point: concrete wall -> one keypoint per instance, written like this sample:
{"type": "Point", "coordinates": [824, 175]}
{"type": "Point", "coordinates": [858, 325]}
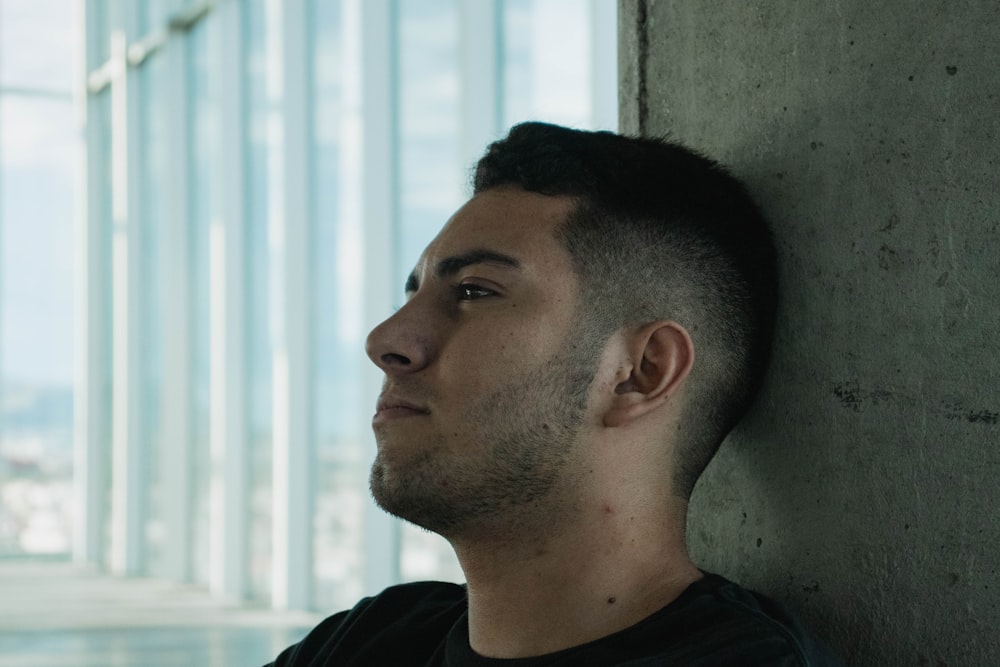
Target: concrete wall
{"type": "Point", "coordinates": [864, 491]}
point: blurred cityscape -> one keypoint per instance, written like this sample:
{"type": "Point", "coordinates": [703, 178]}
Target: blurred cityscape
{"type": "Point", "coordinates": [36, 467]}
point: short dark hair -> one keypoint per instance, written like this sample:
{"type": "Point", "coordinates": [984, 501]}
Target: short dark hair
{"type": "Point", "coordinates": [660, 232]}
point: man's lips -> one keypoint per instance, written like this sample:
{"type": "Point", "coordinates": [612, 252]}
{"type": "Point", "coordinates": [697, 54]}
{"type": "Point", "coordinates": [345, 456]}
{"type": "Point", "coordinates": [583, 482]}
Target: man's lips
{"type": "Point", "coordinates": [391, 407]}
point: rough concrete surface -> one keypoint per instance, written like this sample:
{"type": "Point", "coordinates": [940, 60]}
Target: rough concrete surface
{"type": "Point", "coordinates": [863, 489]}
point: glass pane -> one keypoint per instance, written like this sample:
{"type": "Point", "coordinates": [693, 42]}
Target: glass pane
{"type": "Point", "coordinates": [341, 465]}
{"type": "Point", "coordinates": [431, 180]}
{"type": "Point", "coordinates": [39, 42]}
{"type": "Point", "coordinates": [431, 184]}
{"type": "Point", "coordinates": [105, 22]}
{"type": "Point", "coordinates": [153, 175]}
{"type": "Point", "coordinates": [546, 80]}
{"type": "Point", "coordinates": [103, 123]}
{"type": "Point", "coordinates": [204, 108]}
{"type": "Point", "coordinates": [259, 303]}
{"type": "Point", "coordinates": [153, 15]}
{"type": "Point", "coordinates": [38, 158]}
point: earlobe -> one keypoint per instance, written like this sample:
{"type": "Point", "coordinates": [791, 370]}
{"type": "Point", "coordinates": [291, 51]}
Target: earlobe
{"type": "Point", "coordinates": [664, 355]}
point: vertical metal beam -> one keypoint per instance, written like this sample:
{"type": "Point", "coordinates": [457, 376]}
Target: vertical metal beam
{"type": "Point", "coordinates": [290, 239]}
{"type": "Point", "coordinates": [177, 341]}
{"type": "Point", "coordinates": [90, 424]}
{"type": "Point", "coordinates": [229, 507]}
{"type": "Point", "coordinates": [481, 81]}
{"type": "Point", "coordinates": [127, 504]}
{"type": "Point", "coordinates": [369, 187]}
{"type": "Point", "coordinates": [604, 64]}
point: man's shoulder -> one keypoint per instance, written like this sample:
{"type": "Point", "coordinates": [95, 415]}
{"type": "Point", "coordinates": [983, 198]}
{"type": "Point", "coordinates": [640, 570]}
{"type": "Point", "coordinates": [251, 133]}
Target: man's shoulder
{"type": "Point", "coordinates": [416, 602]}
{"type": "Point", "coordinates": [714, 622]}
{"type": "Point", "coordinates": [718, 622]}
{"type": "Point", "coordinates": [413, 618]}
{"type": "Point", "coordinates": [432, 594]}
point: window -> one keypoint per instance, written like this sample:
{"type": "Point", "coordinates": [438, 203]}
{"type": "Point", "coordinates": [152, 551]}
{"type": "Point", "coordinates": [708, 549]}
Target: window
{"type": "Point", "coordinates": [39, 159]}
{"type": "Point", "coordinates": [262, 176]}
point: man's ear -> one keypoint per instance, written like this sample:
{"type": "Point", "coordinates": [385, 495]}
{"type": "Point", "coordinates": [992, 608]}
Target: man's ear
{"type": "Point", "coordinates": [661, 355]}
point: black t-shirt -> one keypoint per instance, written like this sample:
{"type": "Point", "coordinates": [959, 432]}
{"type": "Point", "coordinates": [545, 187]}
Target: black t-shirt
{"type": "Point", "coordinates": [713, 622]}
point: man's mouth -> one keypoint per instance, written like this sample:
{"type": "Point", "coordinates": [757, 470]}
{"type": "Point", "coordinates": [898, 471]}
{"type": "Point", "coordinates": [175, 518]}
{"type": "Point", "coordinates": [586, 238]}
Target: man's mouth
{"type": "Point", "coordinates": [391, 407]}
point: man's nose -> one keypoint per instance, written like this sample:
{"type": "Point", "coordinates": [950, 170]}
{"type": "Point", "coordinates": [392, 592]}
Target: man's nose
{"type": "Point", "coordinates": [399, 344]}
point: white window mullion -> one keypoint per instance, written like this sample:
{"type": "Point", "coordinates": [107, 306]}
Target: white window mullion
{"type": "Point", "coordinates": [290, 240]}
{"type": "Point", "coordinates": [369, 171]}
{"type": "Point", "coordinates": [228, 433]}
{"type": "Point", "coordinates": [127, 492]}
{"type": "Point", "coordinates": [90, 424]}
{"type": "Point", "coordinates": [177, 339]}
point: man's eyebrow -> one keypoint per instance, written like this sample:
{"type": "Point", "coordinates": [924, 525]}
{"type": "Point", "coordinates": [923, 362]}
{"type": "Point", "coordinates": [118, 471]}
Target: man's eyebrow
{"type": "Point", "coordinates": [449, 266]}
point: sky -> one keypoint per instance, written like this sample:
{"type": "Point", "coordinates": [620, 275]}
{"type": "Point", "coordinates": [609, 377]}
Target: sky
{"type": "Point", "coordinates": [39, 156]}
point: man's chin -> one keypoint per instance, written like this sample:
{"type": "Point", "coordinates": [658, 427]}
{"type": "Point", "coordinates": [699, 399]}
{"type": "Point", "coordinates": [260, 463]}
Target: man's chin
{"type": "Point", "coordinates": [397, 495]}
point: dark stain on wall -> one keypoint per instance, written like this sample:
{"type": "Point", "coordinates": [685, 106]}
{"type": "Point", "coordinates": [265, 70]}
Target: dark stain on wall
{"type": "Point", "coordinates": [852, 396]}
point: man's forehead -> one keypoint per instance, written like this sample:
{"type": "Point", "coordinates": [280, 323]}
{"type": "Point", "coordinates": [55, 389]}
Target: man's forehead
{"type": "Point", "coordinates": [507, 228]}
{"type": "Point", "coordinates": [507, 220]}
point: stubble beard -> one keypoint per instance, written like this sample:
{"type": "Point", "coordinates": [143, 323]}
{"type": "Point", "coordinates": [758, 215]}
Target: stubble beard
{"type": "Point", "coordinates": [521, 441]}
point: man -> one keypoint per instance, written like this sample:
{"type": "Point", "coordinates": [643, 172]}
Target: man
{"type": "Point", "coordinates": [575, 344]}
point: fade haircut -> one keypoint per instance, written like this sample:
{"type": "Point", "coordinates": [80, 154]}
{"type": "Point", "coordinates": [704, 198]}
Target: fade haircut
{"type": "Point", "coordinates": [659, 233]}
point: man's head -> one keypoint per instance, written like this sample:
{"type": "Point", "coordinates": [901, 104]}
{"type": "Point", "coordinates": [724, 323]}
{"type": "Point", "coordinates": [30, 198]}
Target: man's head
{"type": "Point", "coordinates": [582, 279]}
{"type": "Point", "coordinates": [659, 233]}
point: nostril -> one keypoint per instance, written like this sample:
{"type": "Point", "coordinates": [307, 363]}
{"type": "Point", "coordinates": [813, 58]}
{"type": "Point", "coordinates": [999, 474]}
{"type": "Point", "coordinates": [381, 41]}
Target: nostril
{"type": "Point", "coordinates": [394, 359]}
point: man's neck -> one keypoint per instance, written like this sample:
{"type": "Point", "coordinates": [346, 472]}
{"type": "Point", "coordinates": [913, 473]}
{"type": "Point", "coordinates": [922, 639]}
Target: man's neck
{"type": "Point", "coordinates": [575, 585]}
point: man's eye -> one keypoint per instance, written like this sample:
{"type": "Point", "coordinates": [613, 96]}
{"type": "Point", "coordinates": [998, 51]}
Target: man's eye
{"type": "Point", "coordinates": [469, 292]}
